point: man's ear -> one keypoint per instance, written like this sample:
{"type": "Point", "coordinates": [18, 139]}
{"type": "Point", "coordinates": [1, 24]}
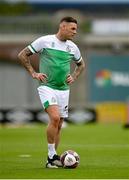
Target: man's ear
{"type": "Point", "coordinates": [63, 25]}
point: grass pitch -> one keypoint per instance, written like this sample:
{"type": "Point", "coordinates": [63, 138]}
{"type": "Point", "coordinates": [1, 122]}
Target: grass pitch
{"type": "Point", "coordinates": [103, 150]}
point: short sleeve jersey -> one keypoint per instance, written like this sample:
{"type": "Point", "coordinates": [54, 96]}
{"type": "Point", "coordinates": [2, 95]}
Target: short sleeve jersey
{"type": "Point", "coordinates": [55, 58]}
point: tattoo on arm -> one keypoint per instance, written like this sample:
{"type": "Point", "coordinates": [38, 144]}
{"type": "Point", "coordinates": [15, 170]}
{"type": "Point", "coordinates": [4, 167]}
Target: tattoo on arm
{"type": "Point", "coordinates": [24, 57]}
{"type": "Point", "coordinates": [79, 68]}
{"type": "Point", "coordinates": [28, 52]}
{"type": "Point", "coordinates": [79, 64]}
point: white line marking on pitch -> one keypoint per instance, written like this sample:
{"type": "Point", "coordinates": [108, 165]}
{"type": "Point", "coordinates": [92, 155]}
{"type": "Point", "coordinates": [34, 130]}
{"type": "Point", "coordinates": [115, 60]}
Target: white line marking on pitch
{"type": "Point", "coordinates": [99, 145]}
{"type": "Point", "coordinates": [25, 155]}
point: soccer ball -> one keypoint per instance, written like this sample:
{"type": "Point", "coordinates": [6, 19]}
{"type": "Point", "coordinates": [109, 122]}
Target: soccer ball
{"type": "Point", "coordinates": [70, 159]}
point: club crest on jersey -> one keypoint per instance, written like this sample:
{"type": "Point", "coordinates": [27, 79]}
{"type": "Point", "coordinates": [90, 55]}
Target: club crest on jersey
{"type": "Point", "coordinates": [53, 44]}
{"type": "Point", "coordinates": [68, 49]}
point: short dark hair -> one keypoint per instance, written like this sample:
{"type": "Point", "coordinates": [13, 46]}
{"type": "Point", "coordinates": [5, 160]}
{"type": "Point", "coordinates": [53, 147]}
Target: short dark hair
{"type": "Point", "coordinates": [68, 19]}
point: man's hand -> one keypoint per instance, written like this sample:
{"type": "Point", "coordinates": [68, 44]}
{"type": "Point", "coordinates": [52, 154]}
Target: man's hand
{"type": "Point", "coordinates": [78, 70]}
{"type": "Point", "coordinates": [69, 79]}
{"type": "Point", "coordinates": [40, 76]}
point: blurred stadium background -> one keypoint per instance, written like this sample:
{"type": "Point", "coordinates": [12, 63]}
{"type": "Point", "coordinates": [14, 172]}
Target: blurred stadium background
{"type": "Point", "coordinates": [101, 93]}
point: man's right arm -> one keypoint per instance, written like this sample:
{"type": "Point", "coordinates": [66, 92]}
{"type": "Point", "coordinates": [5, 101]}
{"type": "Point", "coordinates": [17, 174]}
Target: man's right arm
{"type": "Point", "coordinates": [24, 57]}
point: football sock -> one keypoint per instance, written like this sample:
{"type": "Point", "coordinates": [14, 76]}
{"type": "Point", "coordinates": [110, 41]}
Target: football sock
{"type": "Point", "coordinates": [51, 150]}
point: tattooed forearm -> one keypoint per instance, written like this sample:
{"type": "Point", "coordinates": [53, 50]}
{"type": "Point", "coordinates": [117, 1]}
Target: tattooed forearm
{"type": "Point", "coordinates": [24, 57]}
{"type": "Point", "coordinates": [78, 70]}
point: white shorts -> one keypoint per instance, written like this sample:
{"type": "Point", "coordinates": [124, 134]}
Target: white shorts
{"type": "Point", "coordinates": [49, 96]}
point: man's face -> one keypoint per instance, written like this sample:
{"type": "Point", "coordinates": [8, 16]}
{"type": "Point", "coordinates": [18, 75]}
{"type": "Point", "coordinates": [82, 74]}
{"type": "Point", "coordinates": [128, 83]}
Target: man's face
{"type": "Point", "coordinates": [69, 30]}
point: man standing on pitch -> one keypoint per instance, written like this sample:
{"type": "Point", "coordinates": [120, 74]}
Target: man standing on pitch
{"type": "Point", "coordinates": [56, 52]}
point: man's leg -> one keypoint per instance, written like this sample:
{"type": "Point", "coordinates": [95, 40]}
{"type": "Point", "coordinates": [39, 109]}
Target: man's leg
{"type": "Point", "coordinates": [52, 131]}
{"type": "Point", "coordinates": [52, 128]}
{"type": "Point", "coordinates": [57, 139]}
{"type": "Point", "coordinates": [63, 99]}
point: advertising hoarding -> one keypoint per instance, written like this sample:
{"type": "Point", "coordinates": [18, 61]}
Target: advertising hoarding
{"type": "Point", "coordinates": [108, 77]}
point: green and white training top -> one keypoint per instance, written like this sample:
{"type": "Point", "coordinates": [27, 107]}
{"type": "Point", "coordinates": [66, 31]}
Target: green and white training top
{"type": "Point", "coordinates": [55, 58]}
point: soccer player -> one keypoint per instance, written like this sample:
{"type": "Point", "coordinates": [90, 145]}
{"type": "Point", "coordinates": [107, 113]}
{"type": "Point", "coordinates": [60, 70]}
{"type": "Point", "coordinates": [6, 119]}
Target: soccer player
{"type": "Point", "coordinates": [56, 52]}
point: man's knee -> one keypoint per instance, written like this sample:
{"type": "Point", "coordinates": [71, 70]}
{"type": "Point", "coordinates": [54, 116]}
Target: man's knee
{"type": "Point", "coordinates": [55, 120]}
{"type": "Point", "coordinates": [60, 124]}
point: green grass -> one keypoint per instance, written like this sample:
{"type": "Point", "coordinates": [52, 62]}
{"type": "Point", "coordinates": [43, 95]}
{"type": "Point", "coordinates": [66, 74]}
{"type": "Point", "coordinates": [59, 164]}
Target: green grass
{"type": "Point", "coordinates": [103, 150]}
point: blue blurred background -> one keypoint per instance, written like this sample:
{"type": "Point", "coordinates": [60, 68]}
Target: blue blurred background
{"type": "Point", "coordinates": [102, 92]}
